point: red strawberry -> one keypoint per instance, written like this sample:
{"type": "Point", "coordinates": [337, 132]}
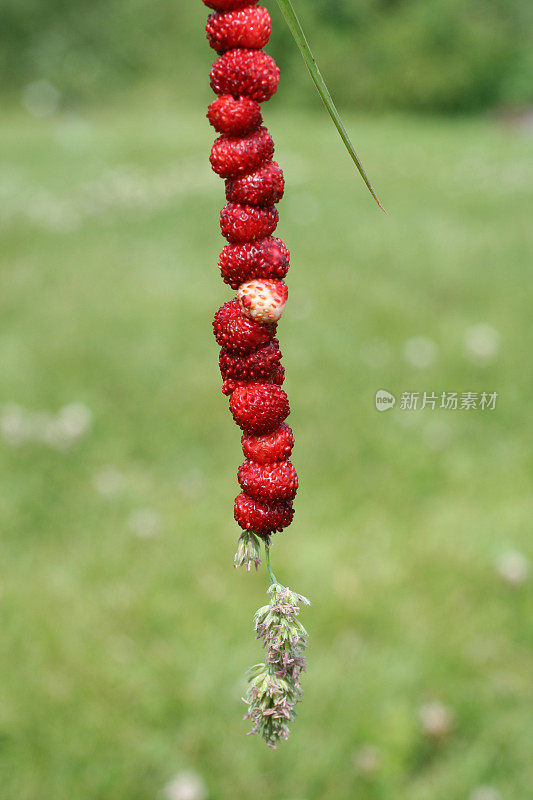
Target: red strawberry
{"type": "Point", "coordinates": [244, 27]}
{"type": "Point", "coordinates": [269, 483]}
{"type": "Point", "coordinates": [263, 300]}
{"type": "Point", "coordinates": [239, 263]}
{"type": "Point", "coordinates": [249, 72]}
{"type": "Point", "coordinates": [234, 117]}
{"type": "Point", "coordinates": [259, 407]}
{"type": "Point", "coordinates": [263, 187]}
{"type": "Point", "coordinates": [237, 333]}
{"type": "Point", "coordinates": [275, 446]}
{"type": "Point", "coordinates": [259, 364]}
{"type": "Point", "coordinates": [228, 5]}
{"type": "Point", "coordinates": [261, 518]}
{"type": "Point", "coordinates": [232, 156]}
{"type": "Point", "coordinates": [230, 384]}
{"type": "Point", "coordinates": [240, 223]}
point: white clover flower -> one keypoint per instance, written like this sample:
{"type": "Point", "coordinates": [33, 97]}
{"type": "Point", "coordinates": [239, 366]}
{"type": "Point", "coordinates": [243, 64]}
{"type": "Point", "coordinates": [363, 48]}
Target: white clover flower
{"type": "Point", "coordinates": [485, 793]}
{"type": "Point", "coordinates": [75, 419]}
{"type": "Point", "coordinates": [144, 523]}
{"type": "Point", "coordinates": [15, 425]}
{"type": "Point", "coordinates": [482, 343]}
{"type": "Point", "coordinates": [367, 760]}
{"type": "Point", "coordinates": [186, 786]}
{"type": "Point", "coordinates": [420, 352]}
{"type": "Point", "coordinates": [514, 568]}
{"type": "Point", "coordinates": [436, 720]}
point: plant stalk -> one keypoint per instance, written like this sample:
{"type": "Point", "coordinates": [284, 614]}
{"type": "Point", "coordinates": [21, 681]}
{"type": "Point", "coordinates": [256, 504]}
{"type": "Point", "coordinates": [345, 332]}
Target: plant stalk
{"type": "Point", "coordinates": [269, 568]}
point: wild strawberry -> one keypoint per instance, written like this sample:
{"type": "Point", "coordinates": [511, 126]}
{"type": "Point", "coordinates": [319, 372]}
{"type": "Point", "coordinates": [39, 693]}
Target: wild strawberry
{"type": "Point", "coordinates": [240, 223]}
{"type": "Point", "coordinates": [244, 27]}
{"type": "Point", "coordinates": [259, 407]}
{"type": "Point", "coordinates": [245, 72]}
{"type": "Point", "coordinates": [269, 483]}
{"type": "Point", "coordinates": [261, 518]}
{"type": "Point", "coordinates": [228, 5]}
{"type": "Point", "coordinates": [266, 449]}
{"type": "Point", "coordinates": [268, 258]}
{"type": "Point", "coordinates": [263, 300]}
{"type": "Point", "coordinates": [262, 187]}
{"type": "Point", "coordinates": [234, 117]}
{"type": "Point", "coordinates": [237, 333]}
{"type": "Point", "coordinates": [256, 366]}
{"type": "Point", "coordinates": [230, 384]}
{"type": "Point", "coordinates": [232, 156]}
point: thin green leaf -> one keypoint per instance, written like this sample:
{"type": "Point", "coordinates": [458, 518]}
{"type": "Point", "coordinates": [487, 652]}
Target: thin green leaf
{"type": "Point", "coordinates": [299, 37]}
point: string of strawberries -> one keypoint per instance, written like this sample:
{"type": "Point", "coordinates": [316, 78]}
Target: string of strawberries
{"type": "Point", "coordinates": [254, 262]}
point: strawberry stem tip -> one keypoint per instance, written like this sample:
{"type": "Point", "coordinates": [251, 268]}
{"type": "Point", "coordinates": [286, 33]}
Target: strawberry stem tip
{"type": "Point", "coordinates": [296, 29]}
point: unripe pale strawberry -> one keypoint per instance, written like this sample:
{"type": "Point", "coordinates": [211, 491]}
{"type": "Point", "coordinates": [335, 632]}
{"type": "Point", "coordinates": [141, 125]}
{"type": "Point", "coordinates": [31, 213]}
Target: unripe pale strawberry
{"type": "Point", "coordinates": [245, 72]}
{"type": "Point", "coordinates": [259, 407]}
{"type": "Point", "coordinates": [232, 156]}
{"type": "Point", "coordinates": [228, 5]}
{"type": "Point", "coordinates": [262, 187]}
{"type": "Point", "coordinates": [268, 258]}
{"type": "Point", "coordinates": [263, 300]}
{"type": "Point", "coordinates": [263, 519]}
{"type": "Point", "coordinates": [240, 223]}
{"type": "Point", "coordinates": [270, 447]}
{"type": "Point", "coordinates": [237, 333]}
{"type": "Point", "coordinates": [269, 483]}
{"type": "Point", "coordinates": [234, 117]}
{"type": "Point", "coordinates": [245, 27]}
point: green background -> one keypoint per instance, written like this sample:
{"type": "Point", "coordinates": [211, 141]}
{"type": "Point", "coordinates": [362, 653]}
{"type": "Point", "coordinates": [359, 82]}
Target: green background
{"type": "Point", "coordinates": [433, 55]}
{"type": "Point", "coordinates": [126, 632]}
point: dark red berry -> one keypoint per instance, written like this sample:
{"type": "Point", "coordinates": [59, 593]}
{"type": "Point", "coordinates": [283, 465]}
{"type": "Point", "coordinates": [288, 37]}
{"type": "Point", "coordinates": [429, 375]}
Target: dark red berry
{"type": "Point", "coordinates": [237, 333]}
{"type": "Point", "coordinates": [259, 407]}
{"type": "Point", "coordinates": [244, 27]}
{"type": "Point", "coordinates": [261, 518]}
{"type": "Point", "coordinates": [275, 446]}
{"type": "Point", "coordinates": [260, 364]}
{"type": "Point", "coordinates": [232, 156]}
{"type": "Point", "coordinates": [234, 117]}
{"type": "Point", "coordinates": [269, 483]}
{"type": "Point", "coordinates": [267, 259]}
{"type": "Point", "coordinates": [262, 187]}
{"type": "Point", "coordinates": [240, 223]}
{"type": "Point", "coordinates": [245, 72]}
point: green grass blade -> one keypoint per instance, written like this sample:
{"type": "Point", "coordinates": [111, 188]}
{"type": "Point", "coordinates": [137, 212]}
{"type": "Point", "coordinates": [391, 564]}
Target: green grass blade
{"type": "Point", "coordinates": [299, 37]}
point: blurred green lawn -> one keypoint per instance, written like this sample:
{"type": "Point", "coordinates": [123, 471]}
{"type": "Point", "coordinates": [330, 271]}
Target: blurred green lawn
{"type": "Point", "coordinates": [125, 631]}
